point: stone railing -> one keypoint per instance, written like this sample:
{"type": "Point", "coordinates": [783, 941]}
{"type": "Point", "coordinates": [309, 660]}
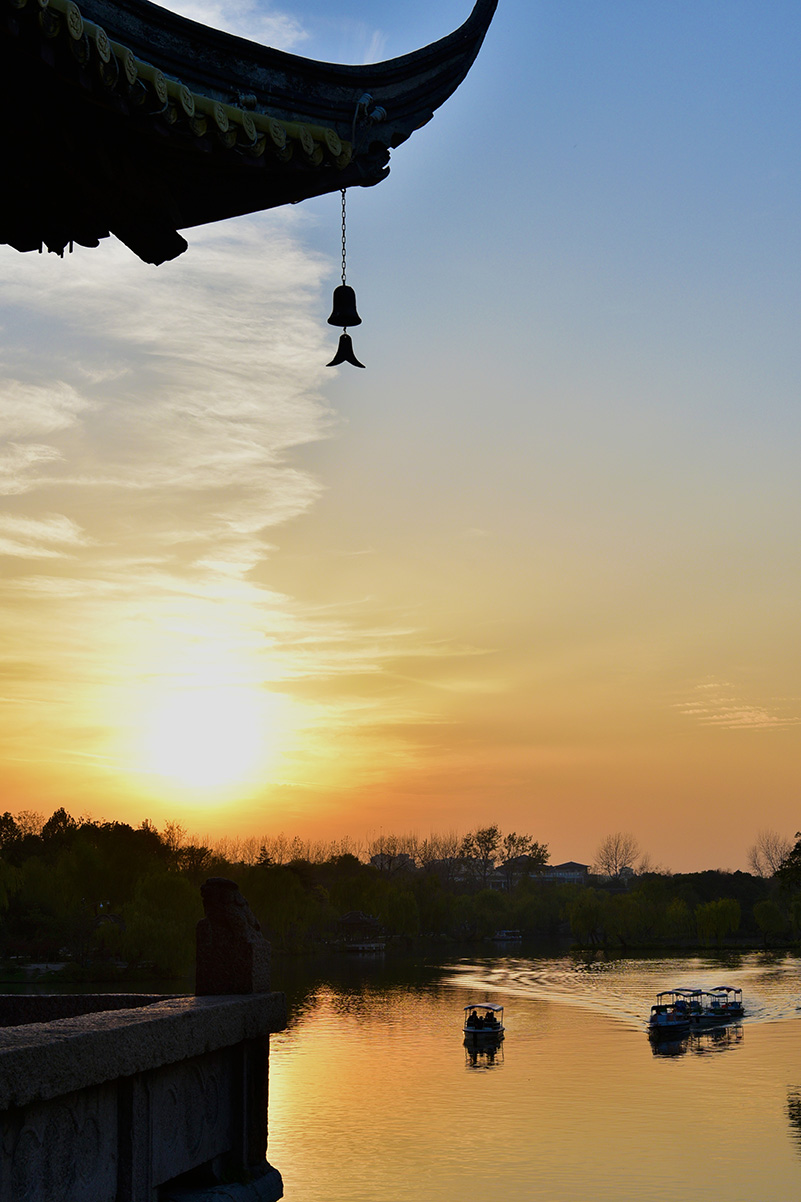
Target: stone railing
{"type": "Point", "coordinates": [134, 1098]}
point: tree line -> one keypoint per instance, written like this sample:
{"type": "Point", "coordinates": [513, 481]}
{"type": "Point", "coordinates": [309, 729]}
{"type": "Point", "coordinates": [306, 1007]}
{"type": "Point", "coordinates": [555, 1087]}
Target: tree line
{"type": "Point", "coordinates": [111, 899]}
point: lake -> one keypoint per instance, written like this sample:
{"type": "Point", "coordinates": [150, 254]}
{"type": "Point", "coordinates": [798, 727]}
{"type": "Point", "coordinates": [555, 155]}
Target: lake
{"type": "Point", "coordinates": [374, 1098]}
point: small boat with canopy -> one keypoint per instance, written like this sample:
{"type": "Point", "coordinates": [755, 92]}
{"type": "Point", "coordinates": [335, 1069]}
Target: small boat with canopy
{"type": "Point", "coordinates": [725, 1003]}
{"type": "Point", "coordinates": [677, 1010]}
{"type": "Point", "coordinates": [483, 1022]}
{"type": "Point", "coordinates": [670, 1016]}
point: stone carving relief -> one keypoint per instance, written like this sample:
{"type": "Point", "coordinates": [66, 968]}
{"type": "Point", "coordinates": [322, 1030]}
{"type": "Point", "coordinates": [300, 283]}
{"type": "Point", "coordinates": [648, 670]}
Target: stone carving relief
{"type": "Point", "coordinates": [190, 1107]}
{"type": "Point", "coordinates": [62, 1149]}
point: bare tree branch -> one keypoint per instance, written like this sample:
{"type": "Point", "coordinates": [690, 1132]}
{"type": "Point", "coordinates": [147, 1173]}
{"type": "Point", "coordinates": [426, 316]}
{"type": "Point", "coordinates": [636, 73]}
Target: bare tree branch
{"type": "Point", "coordinates": [768, 853]}
{"type": "Point", "coordinates": [615, 853]}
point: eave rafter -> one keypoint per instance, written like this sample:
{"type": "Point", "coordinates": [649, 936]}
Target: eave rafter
{"type": "Point", "coordinates": [134, 121]}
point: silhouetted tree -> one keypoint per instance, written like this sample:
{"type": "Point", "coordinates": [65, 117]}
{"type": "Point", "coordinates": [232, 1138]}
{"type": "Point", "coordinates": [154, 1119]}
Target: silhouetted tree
{"type": "Point", "coordinates": [9, 831]}
{"type": "Point", "coordinates": [522, 855]}
{"type": "Point", "coordinates": [440, 854]}
{"type": "Point", "coordinates": [717, 919]}
{"type": "Point", "coordinates": [770, 919]}
{"type": "Point", "coordinates": [480, 850]}
{"type": "Point", "coordinates": [789, 871]}
{"type": "Point", "coordinates": [159, 931]}
{"type": "Point", "coordinates": [59, 826]}
{"type": "Point", "coordinates": [29, 822]}
{"type": "Point", "coordinates": [616, 853]}
{"type": "Point", "coordinates": [585, 912]}
{"type": "Point", "coordinates": [197, 862]}
{"type": "Point", "coordinates": [679, 921]}
{"type": "Point", "coordinates": [768, 853]}
{"type": "Point", "coordinates": [392, 853]}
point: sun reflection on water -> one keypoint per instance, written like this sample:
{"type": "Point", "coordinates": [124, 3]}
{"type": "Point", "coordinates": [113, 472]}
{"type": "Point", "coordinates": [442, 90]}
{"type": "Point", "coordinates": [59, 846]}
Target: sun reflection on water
{"type": "Point", "coordinates": [373, 1093]}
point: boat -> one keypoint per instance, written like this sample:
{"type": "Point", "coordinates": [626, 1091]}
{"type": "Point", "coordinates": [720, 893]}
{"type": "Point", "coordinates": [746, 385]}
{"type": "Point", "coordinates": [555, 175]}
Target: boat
{"type": "Point", "coordinates": [709, 1007]}
{"type": "Point", "coordinates": [506, 936]}
{"type": "Point", "coordinates": [725, 1003]}
{"type": "Point", "coordinates": [690, 1002]}
{"type": "Point", "coordinates": [678, 1010]}
{"type": "Point", "coordinates": [483, 1022]}
{"type": "Point", "coordinates": [670, 1015]}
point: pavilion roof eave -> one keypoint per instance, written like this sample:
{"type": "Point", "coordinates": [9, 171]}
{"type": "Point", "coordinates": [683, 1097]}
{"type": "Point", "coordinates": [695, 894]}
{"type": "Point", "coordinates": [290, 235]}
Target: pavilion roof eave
{"type": "Point", "coordinates": [287, 86]}
{"type": "Point", "coordinates": [151, 123]}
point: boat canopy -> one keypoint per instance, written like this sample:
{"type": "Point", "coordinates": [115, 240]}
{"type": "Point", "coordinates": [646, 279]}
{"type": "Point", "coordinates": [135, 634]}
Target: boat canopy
{"type": "Point", "coordinates": [484, 1006]}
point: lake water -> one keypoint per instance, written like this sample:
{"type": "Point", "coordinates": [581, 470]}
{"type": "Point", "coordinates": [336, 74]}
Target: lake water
{"type": "Point", "coordinates": [374, 1098]}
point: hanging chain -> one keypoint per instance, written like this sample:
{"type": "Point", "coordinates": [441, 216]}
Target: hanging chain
{"type": "Point", "coordinates": [343, 235]}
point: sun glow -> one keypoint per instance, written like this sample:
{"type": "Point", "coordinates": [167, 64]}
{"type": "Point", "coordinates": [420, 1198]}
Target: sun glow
{"type": "Point", "coordinates": [210, 738]}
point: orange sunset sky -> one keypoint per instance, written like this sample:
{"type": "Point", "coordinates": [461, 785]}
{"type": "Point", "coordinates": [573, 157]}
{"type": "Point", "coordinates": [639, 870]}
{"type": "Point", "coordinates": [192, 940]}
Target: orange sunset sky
{"type": "Point", "coordinates": [537, 565]}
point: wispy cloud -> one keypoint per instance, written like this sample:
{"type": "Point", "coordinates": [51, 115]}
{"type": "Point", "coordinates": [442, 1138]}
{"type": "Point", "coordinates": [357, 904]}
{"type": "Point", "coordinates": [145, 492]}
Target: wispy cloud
{"type": "Point", "coordinates": [717, 703]}
{"type": "Point", "coordinates": [251, 19]}
{"type": "Point", "coordinates": [39, 538]}
{"type": "Point", "coordinates": [150, 420]}
{"type": "Point", "coordinates": [217, 369]}
{"type": "Point", "coordinates": [376, 46]}
{"type": "Point", "coordinates": [338, 38]}
{"type": "Point", "coordinates": [22, 467]}
{"type": "Point", "coordinates": [38, 408]}
{"type": "Point", "coordinates": [154, 421]}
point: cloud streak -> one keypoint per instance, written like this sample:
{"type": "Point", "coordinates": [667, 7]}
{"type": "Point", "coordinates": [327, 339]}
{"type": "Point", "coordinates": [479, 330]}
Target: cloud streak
{"type": "Point", "coordinates": [154, 422]}
{"type": "Point", "coordinates": [245, 18]}
{"type": "Point", "coordinates": [716, 703]}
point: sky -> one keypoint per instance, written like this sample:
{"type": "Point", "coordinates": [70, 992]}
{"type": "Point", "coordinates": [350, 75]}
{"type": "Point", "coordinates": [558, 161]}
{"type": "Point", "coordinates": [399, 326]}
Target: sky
{"type": "Point", "coordinates": [537, 565]}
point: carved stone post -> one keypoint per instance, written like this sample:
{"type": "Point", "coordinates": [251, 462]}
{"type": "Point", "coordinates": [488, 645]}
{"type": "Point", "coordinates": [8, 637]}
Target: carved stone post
{"type": "Point", "coordinates": [232, 954]}
{"type": "Point", "coordinates": [234, 957]}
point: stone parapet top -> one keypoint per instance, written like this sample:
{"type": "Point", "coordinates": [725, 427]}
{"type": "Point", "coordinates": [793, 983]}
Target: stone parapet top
{"type": "Point", "coordinates": [44, 1060]}
{"type": "Point", "coordinates": [17, 1009]}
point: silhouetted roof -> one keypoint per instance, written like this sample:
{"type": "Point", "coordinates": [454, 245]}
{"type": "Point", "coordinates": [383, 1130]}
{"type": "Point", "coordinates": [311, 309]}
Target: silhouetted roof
{"type": "Point", "coordinates": [124, 118]}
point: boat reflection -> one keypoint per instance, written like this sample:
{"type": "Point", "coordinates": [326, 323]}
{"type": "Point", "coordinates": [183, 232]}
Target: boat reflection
{"type": "Point", "coordinates": [483, 1055]}
{"type": "Point", "coordinates": [700, 1043]}
{"type": "Point", "coordinates": [794, 1115]}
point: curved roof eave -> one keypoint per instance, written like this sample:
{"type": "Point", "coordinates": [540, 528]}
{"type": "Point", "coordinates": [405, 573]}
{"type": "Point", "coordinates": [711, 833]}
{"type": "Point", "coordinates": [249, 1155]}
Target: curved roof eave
{"type": "Point", "coordinates": [287, 86]}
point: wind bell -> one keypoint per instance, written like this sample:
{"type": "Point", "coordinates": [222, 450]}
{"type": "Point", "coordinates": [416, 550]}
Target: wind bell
{"type": "Point", "coordinates": [344, 311]}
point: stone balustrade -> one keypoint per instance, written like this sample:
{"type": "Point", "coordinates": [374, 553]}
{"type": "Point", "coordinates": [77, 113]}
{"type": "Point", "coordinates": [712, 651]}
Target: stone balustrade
{"type": "Point", "coordinates": [144, 1098]}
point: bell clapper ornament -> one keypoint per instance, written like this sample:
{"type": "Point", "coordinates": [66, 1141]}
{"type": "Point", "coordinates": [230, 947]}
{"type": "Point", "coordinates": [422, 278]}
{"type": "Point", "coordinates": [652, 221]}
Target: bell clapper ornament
{"type": "Point", "coordinates": [344, 312]}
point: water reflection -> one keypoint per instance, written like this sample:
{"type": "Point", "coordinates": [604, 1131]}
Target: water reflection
{"type": "Point", "coordinates": [367, 1085]}
{"type": "Point", "coordinates": [624, 988]}
{"type": "Point", "coordinates": [488, 1056]}
{"type": "Point", "coordinates": [700, 1043]}
{"type": "Point", "coordinates": [794, 1115]}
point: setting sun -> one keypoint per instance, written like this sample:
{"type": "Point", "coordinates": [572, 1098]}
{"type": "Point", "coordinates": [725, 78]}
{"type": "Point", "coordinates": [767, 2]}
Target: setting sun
{"type": "Point", "coordinates": [211, 738]}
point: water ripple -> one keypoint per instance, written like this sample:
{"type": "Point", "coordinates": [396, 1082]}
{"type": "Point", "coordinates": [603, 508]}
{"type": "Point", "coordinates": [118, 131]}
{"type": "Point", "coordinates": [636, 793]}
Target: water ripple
{"type": "Point", "coordinates": [625, 988]}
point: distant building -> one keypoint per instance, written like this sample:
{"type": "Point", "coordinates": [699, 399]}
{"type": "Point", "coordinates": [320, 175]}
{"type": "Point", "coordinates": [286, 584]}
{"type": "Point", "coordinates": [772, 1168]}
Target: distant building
{"type": "Point", "coordinates": [616, 880]}
{"type": "Point", "coordinates": [507, 875]}
{"type": "Point", "coordinates": [360, 932]}
{"type": "Point", "coordinates": [452, 870]}
{"type": "Point", "coordinates": [519, 865]}
{"type": "Point", "coordinates": [569, 873]}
